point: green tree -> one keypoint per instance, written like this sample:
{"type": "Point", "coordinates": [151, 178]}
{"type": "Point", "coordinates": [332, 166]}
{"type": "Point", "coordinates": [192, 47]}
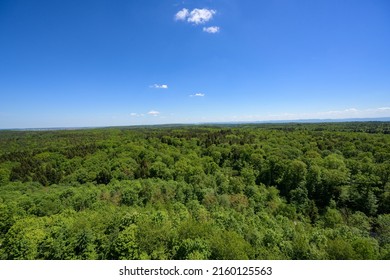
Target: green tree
{"type": "Point", "coordinates": [125, 246]}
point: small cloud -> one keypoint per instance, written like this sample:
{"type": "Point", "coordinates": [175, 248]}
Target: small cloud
{"type": "Point", "coordinates": [153, 113]}
{"type": "Point", "coordinates": [197, 95]}
{"type": "Point", "coordinates": [341, 112]}
{"type": "Point", "coordinates": [211, 29]}
{"type": "Point", "coordinates": [200, 16]}
{"type": "Point", "coordinates": [182, 14]}
{"type": "Point", "coordinates": [196, 16]}
{"type": "Point", "coordinates": [384, 109]}
{"type": "Point", "coordinates": [159, 86]}
{"type": "Point", "coordinates": [136, 115]}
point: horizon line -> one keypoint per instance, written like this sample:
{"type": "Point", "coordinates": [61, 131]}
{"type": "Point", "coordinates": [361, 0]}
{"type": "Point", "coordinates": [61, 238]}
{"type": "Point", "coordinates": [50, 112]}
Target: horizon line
{"type": "Point", "coordinates": [307, 121]}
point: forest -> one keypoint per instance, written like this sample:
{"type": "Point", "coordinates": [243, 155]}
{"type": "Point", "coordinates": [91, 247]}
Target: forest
{"type": "Point", "coordinates": [295, 191]}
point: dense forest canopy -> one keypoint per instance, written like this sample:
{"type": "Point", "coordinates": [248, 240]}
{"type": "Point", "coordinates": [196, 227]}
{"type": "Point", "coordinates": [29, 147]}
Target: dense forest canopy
{"type": "Point", "coordinates": [269, 191]}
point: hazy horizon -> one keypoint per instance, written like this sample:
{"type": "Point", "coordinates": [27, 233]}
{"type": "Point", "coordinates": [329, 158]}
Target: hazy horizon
{"type": "Point", "coordinates": [281, 122]}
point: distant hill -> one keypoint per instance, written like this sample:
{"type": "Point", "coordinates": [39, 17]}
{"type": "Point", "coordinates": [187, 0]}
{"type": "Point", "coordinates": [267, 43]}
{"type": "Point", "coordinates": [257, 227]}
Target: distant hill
{"type": "Point", "coordinates": [386, 119]}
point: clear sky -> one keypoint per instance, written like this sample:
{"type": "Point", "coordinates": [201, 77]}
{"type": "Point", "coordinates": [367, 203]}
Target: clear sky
{"type": "Point", "coordinates": [125, 62]}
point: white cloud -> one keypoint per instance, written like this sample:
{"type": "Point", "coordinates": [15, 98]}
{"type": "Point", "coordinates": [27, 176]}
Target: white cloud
{"type": "Point", "coordinates": [200, 16]}
{"type": "Point", "coordinates": [199, 94]}
{"type": "Point", "coordinates": [211, 29]}
{"type": "Point", "coordinates": [340, 113]}
{"type": "Point", "coordinates": [153, 113]}
{"type": "Point", "coordinates": [136, 115]}
{"type": "Point", "coordinates": [196, 16]}
{"type": "Point", "coordinates": [182, 14]}
{"type": "Point", "coordinates": [337, 114]}
{"type": "Point", "coordinates": [384, 109]}
{"type": "Point", "coordinates": [348, 113]}
{"type": "Point", "coordinates": [159, 86]}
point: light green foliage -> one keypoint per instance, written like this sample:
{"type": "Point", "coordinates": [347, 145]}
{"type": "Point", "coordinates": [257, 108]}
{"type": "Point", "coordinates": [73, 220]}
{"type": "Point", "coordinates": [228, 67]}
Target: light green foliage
{"type": "Point", "coordinates": [125, 246]}
{"type": "Point", "coordinates": [4, 176]}
{"type": "Point", "coordinates": [22, 240]}
{"type": "Point", "coordinates": [193, 249]}
{"type": "Point", "coordinates": [360, 221]}
{"type": "Point", "coordinates": [332, 218]}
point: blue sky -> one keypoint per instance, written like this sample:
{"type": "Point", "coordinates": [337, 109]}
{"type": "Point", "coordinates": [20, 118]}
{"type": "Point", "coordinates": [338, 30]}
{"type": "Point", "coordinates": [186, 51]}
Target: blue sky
{"type": "Point", "coordinates": [124, 62]}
